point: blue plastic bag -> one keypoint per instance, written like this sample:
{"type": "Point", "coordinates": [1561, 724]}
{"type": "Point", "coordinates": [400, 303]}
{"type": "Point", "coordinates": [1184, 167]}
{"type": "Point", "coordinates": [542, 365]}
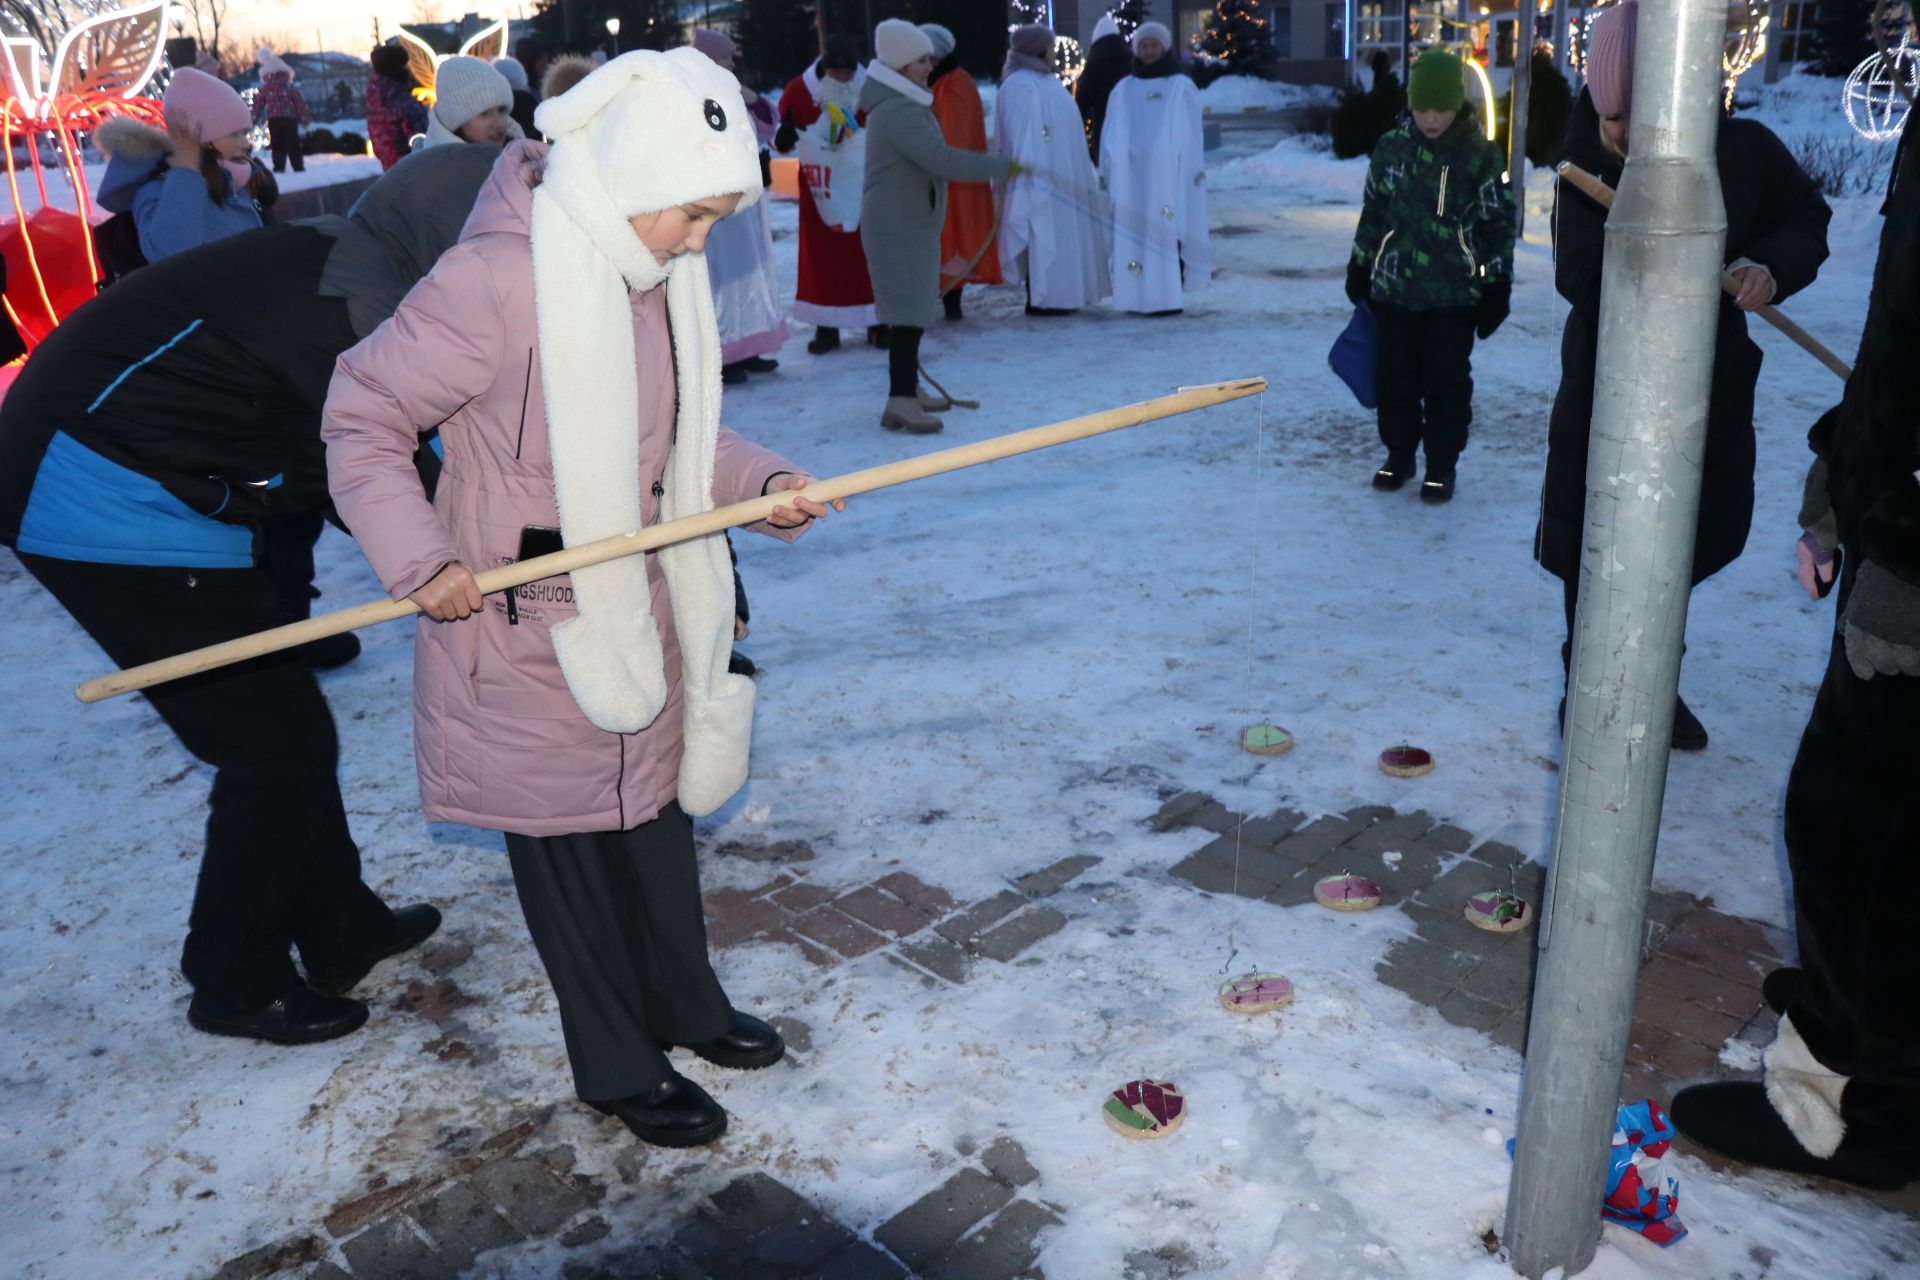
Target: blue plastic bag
{"type": "Point", "coordinates": [1354, 353]}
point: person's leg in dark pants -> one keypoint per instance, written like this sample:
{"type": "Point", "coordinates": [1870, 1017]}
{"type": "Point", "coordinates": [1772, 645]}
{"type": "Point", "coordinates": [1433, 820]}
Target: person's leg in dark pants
{"type": "Point", "coordinates": [1446, 388]}
{"type": "Point", "coordinates": [903, 362]}
{"type": "Point", "coordinates": [286, 557]}
{"type": "Point", "coordinates": [1397, 383]}
{"type": "Point", "coordinates": [1842, 1089]}
{"type": "Point", "coordinates": [280, 864]}
{"type": "Point", "coordinates": [616, 918]}
{"type": "Point", "coordinates": [283, 136]}
{"type": "Point", "coordinates": [951, 301]}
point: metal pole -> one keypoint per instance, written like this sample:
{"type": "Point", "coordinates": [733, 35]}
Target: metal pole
{"type": "Point", "coordinates": [1517, 112]}
{"type": "Point", "coordinates": [1561, 46]}
{"type": "Point", "coordinates": [1659, 298]}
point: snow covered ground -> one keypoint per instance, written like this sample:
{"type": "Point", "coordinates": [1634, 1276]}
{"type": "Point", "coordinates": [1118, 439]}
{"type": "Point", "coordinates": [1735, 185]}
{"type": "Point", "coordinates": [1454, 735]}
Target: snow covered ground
{"type": "Point", "coordinates": [1031, 648]}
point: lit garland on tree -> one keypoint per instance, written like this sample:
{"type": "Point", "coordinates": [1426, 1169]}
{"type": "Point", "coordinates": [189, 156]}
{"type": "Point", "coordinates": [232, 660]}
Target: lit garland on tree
{"type": "Point", "coordinates": [1238, 38]}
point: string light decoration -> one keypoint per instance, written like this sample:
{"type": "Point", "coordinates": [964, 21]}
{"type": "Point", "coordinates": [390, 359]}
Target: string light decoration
{"type": "Point", "coordinates": [1238, 38]}
{"type": "Point", "coordinates": [1880, 91]}
{"type": "Point", "coordinates": [1069, 60]}
{"type": "Point", "coordinates": [69, 66]}
{"type": "Point", "coordinates": [1128, 15]}
{"type": "Point", "coordinates": [1746, 47]}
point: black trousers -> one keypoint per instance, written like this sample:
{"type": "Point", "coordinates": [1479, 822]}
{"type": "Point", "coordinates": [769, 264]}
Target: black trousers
{"type": "Point", "coordinates": [1852, 828]}
{"type": "Point", "coordinates": [1424, 380]}
{"type": "Point", "coordinates": [280, 866]}
{"type": "Point", "coordinates": [616, 918]}
{"type": "Point", "coordinates": [283, 137]}
{"type": "Point", "coordinates": [286, 557]}
{"type": "Point", "coordinates": [903, 361]}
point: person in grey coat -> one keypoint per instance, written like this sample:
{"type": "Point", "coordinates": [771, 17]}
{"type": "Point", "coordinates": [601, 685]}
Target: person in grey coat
{"type": "Point", "coordinates": [904, 204]}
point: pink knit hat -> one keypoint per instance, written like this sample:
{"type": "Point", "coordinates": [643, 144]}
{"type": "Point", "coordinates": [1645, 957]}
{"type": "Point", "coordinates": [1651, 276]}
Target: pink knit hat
{"type": "Point", "coordinates": [1035, 40]}
{"type": "Point", "coordinates": [1610, 58]}
{"type": "Point", "coordinates": [204, 108]}
{"type": "Point", "coordinates": [717, 45]}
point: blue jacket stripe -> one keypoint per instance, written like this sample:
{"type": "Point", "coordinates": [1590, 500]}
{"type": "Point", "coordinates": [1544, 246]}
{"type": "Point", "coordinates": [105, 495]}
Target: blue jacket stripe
{"type": "Point", "coordinates": [129, 371]}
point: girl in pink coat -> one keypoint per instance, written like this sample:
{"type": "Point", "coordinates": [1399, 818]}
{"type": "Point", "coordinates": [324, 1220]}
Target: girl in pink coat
{"type": "Point", "coordinates": [566, 348]}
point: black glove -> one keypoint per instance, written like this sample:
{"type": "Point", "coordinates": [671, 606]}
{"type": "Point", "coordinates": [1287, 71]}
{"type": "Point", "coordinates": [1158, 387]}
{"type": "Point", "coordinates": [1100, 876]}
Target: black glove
{"type": "Point", "coordinates": [1492, 309]}
{"type": "Point", "coordinates": [787, 136]}
{"type": "Point", "coordinates": [1359, 282]}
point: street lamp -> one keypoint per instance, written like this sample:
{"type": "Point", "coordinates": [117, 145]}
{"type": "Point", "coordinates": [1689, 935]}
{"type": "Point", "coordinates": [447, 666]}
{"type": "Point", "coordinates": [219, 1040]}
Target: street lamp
{"type": "Point", "coordinates": [613, 33]}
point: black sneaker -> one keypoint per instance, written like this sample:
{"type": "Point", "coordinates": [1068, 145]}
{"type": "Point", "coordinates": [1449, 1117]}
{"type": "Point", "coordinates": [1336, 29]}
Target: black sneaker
{"type": "Point", "coordinates": [1393, 473]}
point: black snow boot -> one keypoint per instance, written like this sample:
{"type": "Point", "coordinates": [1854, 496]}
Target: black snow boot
{"type": "Point", "coordinates": [1688, 733]}
{"type": "Point", "coordinates": [759, 364]}
{"type": "Point", "coordinates": [1394, 472]}
{"type": "Point", "coordinates": [1438, 486]}
{"type": "Point", "coordinates": [1780, 987]}
{"type": "Point", "coordinates": [734, 374]}
{"type": "Point", "coordinates": [740, 664]}
{"type": "Point", "coordinates": [825, 339]}
{"type": "Point", "coordinates": [1734, 1118]}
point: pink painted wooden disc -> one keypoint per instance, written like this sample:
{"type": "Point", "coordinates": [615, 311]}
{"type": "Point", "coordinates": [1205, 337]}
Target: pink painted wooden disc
{"type": "Point", "coordinates": [1347, 893]}
{"type": "Point", "coordinates": [1255, 992]}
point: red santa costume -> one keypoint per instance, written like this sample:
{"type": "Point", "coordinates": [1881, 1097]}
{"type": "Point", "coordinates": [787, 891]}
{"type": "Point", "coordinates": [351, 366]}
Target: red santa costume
{"type": "Point", "coordinates": [834, 291]}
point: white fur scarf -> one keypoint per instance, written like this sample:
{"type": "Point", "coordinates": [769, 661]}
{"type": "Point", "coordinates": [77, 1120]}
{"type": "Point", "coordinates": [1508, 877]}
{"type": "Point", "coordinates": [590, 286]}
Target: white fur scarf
{"type": "Point", "coordinates": [585, 258]}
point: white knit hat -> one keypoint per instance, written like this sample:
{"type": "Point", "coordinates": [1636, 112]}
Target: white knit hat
{"type": "Point", "coordinates": [1104, 28]}
{"type": "Point", "coordinates": [941, 39]}
{"type": "Point", "coordinates": [270, 62]}
{"type": "Point", "coordinates": [463, 87]}
{"type": "Point", "coordinates": [1157, 30]}
{"type": "Point", "coordinates": [896, 42]}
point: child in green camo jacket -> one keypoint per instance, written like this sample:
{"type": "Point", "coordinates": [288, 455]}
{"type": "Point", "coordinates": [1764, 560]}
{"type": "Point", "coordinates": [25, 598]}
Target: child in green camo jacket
{"type": "Point", "coordinates": [1434, 257]}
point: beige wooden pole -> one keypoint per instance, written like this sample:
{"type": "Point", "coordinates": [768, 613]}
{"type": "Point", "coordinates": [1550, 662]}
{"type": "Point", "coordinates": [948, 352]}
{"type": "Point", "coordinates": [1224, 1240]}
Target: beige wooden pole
{"type": "Point", "coordinates": [1184, 400]}
{"type": "Point", "coordinates": [1602, 194]}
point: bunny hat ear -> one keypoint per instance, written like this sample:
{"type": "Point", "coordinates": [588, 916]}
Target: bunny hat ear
{"type": "Point", "coordinates": [657, 130]}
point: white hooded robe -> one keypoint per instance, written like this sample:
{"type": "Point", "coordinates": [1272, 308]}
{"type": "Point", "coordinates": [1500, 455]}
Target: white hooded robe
{"type": "Point", "coordinates": [1053, 226]}
{"type": "Point", "coordinates": [1153, 166]}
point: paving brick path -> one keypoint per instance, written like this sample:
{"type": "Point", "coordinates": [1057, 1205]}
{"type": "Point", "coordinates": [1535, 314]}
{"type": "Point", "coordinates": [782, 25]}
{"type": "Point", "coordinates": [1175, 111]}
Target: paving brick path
{"type": "Point", "coordinates": [1699, 992]}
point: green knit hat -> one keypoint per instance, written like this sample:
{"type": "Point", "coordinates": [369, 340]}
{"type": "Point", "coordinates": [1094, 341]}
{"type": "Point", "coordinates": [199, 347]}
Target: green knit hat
{"type": "Point", "coordinates": [1437, 82]}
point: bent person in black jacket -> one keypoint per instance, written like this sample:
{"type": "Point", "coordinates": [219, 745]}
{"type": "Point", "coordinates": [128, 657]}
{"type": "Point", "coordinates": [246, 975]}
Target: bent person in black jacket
{"type": "Point", "coordinates": [146, 444]}
{"type": "Point", "coordinates": [1841, 1097]}
{"type": "Point", "coordinates": [1776, 241]}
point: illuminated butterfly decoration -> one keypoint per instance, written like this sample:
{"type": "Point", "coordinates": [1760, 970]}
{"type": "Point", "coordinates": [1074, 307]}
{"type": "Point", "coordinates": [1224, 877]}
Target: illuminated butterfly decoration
{"type": "Point", "coordinates": [97, 69]}
{"type": "Point", "coordinates": [422, 62]}
{"type": "Point", "coordinates": [101, 61]}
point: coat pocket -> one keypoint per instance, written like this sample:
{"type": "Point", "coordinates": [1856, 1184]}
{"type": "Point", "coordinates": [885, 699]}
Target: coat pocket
{"type": "Point", "coordinates": [515, 671]}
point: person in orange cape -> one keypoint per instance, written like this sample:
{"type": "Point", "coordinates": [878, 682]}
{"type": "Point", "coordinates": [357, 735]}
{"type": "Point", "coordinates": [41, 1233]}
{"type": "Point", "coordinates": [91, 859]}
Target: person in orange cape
{"type": "Point", "coordinates": [968, 236]}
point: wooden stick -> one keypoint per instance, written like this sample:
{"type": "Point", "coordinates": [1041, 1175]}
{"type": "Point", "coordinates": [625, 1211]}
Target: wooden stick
{"type": "Point", "coordinates": [1184, 400]}
{"type": "Point", "coordinates": [1602, 194]}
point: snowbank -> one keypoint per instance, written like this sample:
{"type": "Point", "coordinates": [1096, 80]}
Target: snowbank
{"type": "Point", "coordinates": [321, 171]}
{"type": "Point", "coordinates": [1246, 93]}
{"type": "Point", "coordinates": [1302, 168]}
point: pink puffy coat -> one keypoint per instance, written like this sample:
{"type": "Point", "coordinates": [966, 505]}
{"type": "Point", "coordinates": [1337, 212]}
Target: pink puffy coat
{"type": "Point", "coordinates": [499, 740]}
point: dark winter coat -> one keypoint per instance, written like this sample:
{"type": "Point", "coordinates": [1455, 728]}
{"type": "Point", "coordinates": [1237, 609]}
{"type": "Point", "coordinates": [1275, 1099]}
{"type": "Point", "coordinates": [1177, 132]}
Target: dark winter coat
{"type": "Point", "coordinates": [1108, 63]}
{"type": "Point", "coordinates": [1436, 221]}
{"type": "Point", "coordinates": [1775, 217]}
{"type": "Point", "coordinates": [166, 417]}
{"type": "Point", "coordinates": [1871, 443]}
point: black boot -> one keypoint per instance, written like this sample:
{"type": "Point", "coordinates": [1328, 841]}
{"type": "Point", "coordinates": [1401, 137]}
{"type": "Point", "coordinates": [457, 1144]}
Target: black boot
{"type": "Point", "coordinates": [1394, 472]}
{"type": "Point", "coordinates": [411, 927]}
{"type": "Point", "coordinates": [1688, 733]}
{"type": "Point", "coordinates": [739, 664]}
{"type": "Point", "coordinates": [1780, 987]}
{"type": "Point", "coordinates": [734, 374]}
{"type": "Point", "coordinates": [878, 335]}
{"type": "Point", "coordinates": [674, 1113]}
{"type": "Point", "coordinates": [825, 338]}
{"type": "Point", "coordinates": [759, 364]}
{"type": "Point", "coordinates": [1734, 1118]}
{"type": "Point", "coordinates": [951, 300]}
{"type": "Point", "coordinates": [748, 1045]}
{"type": "Point", "coordinates": [1438, 486]}
{"type": "Point", "coordinates": [295, 1016]}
